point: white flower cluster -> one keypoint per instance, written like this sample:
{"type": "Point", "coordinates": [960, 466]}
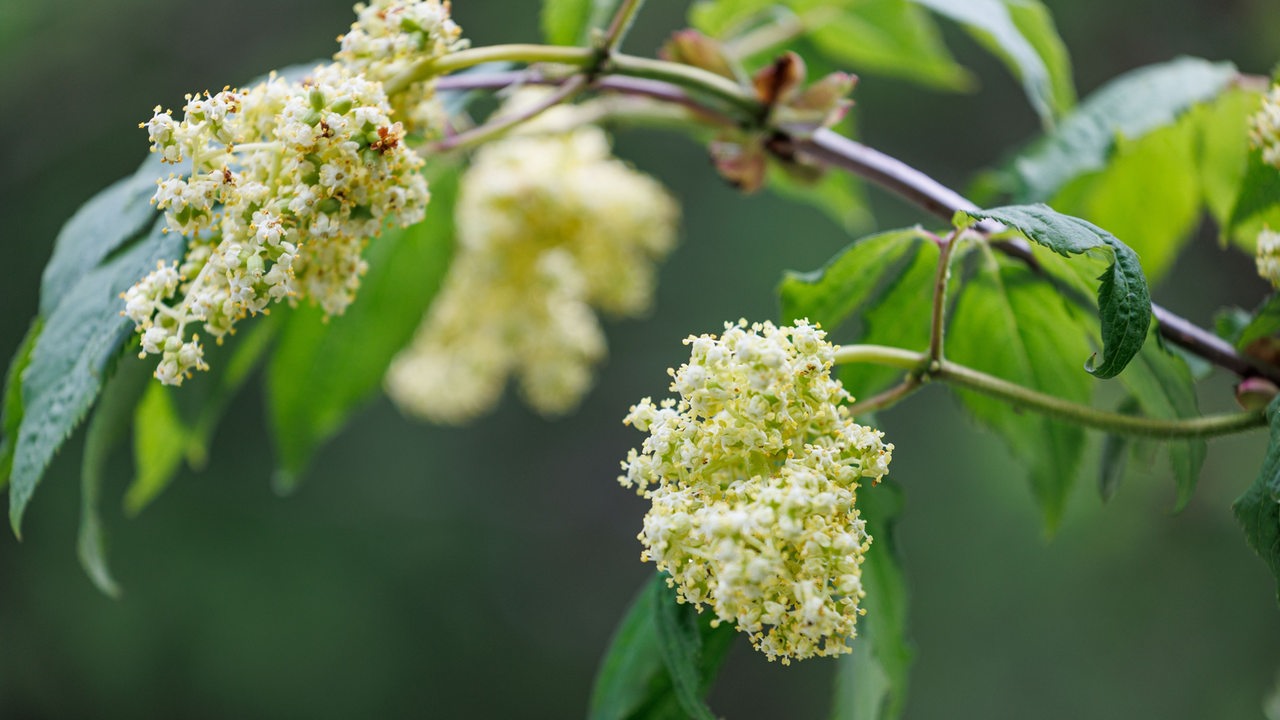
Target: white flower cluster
{"type": "Point", "coordinates": [288, 181]}
{"type": "Point", "coordinates": [1268, 256]}
{"type": "Point", "coordinates": [390, 37]}
{"type": "Point", "coordinates": [753, 477]}
{"type": "Point", "coordinates": [1264, 127]}
{"type": "Point", "coordinates": [550, 226]}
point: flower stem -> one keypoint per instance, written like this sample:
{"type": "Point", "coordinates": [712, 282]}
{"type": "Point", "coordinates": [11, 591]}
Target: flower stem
{"type": "Point", "coordinates": [499, 126]}
{"type": "Point", "coordinates": [1056, 407]}
{"type": "Point", "coordinates": [621, 25]}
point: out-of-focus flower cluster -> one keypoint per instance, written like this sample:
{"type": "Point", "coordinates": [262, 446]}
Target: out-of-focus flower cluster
{"type": "Point", "coordinates": [1264, 127]}
{"type": "Point", "coordinates": [389, 38]}
{"type": "Point", "coordinates": [288, 180]}
{"type": "Point", "coordinates": [753, 475]}
{"type": "Point", "coordinates": [550, 228]}
{"type": "Point", "coordinates": [1268, 256]}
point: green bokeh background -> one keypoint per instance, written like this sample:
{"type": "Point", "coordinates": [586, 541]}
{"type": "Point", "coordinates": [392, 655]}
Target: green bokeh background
{"type": "Point", "coordinates": [428, 572]}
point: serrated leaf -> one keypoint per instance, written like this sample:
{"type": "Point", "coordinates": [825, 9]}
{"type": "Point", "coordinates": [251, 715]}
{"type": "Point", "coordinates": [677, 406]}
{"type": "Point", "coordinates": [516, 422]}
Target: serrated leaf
{"type": "Point", "coordinates": [1163, 387]}
{"type": "Point", "coordinates": [1010, 323]}
{"type": "Point", "coordinates": [107, 430]}
{"type": "Point", "coordinates": [569, 22]}
{"type": "Point", "coordinates": [888, 37]}
{"type": "Point", "coordinates": [12, 410]}
{"type": "Point", "coordinates": [1124, 302]}
{"type": "Point", "coordinates": [849, 280]}
{"type": "Point", "coordinates": [1258, 509]}
{"type": "Point", "coordinates": [993, 25]}
{"type": "Point", "coordinates": [898, 317]}
{"type": "Point", "coordinates": [347, 355]}
{"type": "Point", "coordinates": [1130, 106]}
{"type": "Point", "coordinates": [871, 681]}
{"type": "Point", "coordinates": [172, 425]}
{"type": "Point", "coordinates": [69, 361]}
{"type": "Point", "coordinates": [1157, 171]}
{"type": "Point", "coordinates": [110, 219]}
{"type": "Point", "coordinates": [633, 682]}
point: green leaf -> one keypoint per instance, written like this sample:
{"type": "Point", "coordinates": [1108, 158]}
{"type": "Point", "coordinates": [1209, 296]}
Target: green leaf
{"type": "Point", "coordinates": [898, 317]}
{"type": "Point", "coordinates": [348, 355]}
{"type": "Point", "coordinates": [680, 644]}
{"type": "Point", "coordinates": [1258, 509]}
{"type": "Point", "coordinates": [871, 681]}
{"type": "Point", "coordinates": [1007, 306]}
{"type": "Point", "coordinates": [1130, 106]}
{"type": "Point", "coordinates": [886, 282]}
{"type": "Point", "coordinates": [569, 22]}
{"type": "Point", "coordinates": [1258, 204]}
{"type": "Point", "coordinates": [172, 425]}
{"type": "Point", "coordinates": [888, 37]}
{"type": "Point", "coordinates": [633, 682]}
{"type": "Point", "coordinates": [109, 220]}
{"type": "Point", "coordinates": [1163, 387]}
{"type": "Point", "coordinates": [1224, 149]}
{"type": "Point", "coordinates": [1156, 171]}
{"type": "Point", "coordinates": [70, 358]}
{"type": "Point", "coordinates": [849, 281]}
{"type": "Point", "coordinates": [1124, 302]}
{"type": "Point", "coordinates": [1035, 22]}
{"type": "Point", "coordinates": [11, 411]}
{"type": "Point", "coordinates": [1264, 323]}
{"type": "Point", "coordinates": [992, 23]}
{"type": "Point", "coordinates": [107, 430]}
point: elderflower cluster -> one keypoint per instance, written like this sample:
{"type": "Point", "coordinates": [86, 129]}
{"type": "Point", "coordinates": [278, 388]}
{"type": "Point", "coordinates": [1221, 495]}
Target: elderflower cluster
{"type": "Point", "coordinates": [753, 476]}
{"type": "Point", "coordinates": [389, 38]}
{"type": "Point", "coordinates": [1268, 256]}
{"type": "Point", "coordinates": [287, 182]}
{"type": "Point", "coordinates": [550, 227]}
{"type": "Point", "coordinates": [1264, 127]}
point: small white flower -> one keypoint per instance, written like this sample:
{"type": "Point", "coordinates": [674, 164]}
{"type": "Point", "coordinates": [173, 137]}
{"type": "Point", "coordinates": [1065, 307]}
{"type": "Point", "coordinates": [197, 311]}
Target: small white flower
{"type": "Point", "coordinates": [753, 491]}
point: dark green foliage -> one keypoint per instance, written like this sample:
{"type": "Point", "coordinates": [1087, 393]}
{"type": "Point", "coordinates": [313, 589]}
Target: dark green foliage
{"type": "Point", "coordinates": [1124, 302]}
{"type": "Point", "coordinates": [107, 429]}
{"type": "Point", "coordinates": [1258, 509]}
{"type": "Point", "coordinates": [661, 661]}
{"type": "Point", "coordinates": [347, 355]}
{"type": "Point", "coordinates": [871, 682]}
{"type": "Point", "coordinates": [69, 363]}
{"type": "Point", "coordinates": [1011, 323]}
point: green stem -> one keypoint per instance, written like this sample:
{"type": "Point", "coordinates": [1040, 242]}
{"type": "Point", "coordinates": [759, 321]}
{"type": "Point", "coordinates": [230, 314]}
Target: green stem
{"type": "Point", "coordinates": [685, 76]}
{"type": "Point", "coordinates": [620, 25]}
{"type": "Point", "coordinates": [521, 53]}
{"type": "Point", "coordinates": [937, 326]}
{"type": "Point", "coordinates": [499, 126]}
{"type": "Point", "coordinates": [1019, 396]}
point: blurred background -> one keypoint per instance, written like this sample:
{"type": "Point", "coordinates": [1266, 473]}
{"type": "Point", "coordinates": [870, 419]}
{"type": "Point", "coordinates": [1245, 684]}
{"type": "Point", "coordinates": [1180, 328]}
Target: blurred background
{"type": "Point", "coordinates": [429, 572]}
